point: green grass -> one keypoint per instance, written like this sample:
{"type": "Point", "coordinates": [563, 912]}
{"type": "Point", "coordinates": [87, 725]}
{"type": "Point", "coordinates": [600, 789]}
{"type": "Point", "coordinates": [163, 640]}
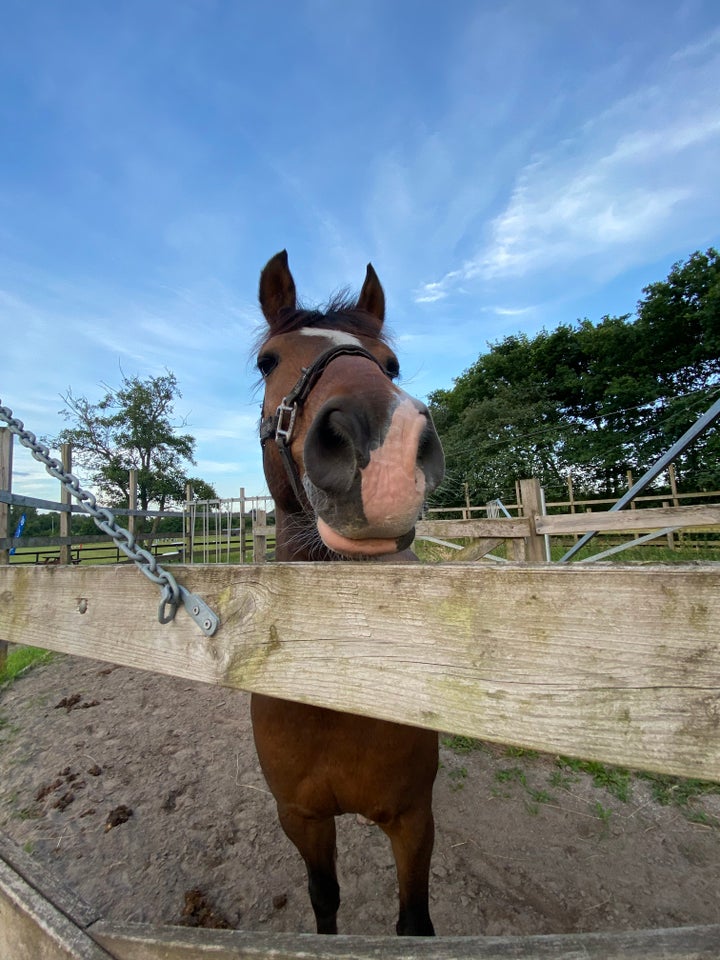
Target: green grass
{"type": "Point", "coordinates": [22, 658]}
{"type": "Point", "coordinates": [457, 778]}
{"type": "Point", "coordinates": [685, 794]}
{"type": "Point", "coordinates": [460, 744]}
{"type": "Point", "coordinates": [677, 791]}
{"type": "Point", "coordinates": [615, 780]}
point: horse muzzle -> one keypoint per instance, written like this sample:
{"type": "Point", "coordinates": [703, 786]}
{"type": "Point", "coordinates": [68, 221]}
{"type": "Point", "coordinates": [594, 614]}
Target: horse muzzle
{"type": "Point", "coordinates": [368, 472]}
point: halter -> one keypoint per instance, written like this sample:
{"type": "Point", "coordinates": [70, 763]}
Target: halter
{"type": "Point", "coordinates": [279, 427]}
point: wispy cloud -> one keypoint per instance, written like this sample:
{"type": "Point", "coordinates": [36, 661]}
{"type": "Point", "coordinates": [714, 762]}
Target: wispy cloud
{"type": "Point", "coordinates": [624, 181]}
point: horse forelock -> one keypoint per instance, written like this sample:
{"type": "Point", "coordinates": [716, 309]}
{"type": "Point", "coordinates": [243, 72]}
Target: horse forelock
{"type": "Point", "coordinates": [341, 313]}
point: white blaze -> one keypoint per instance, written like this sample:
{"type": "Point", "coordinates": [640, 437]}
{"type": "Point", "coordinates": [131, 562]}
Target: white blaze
{"type": "Point", "coordinates": [338, 337]}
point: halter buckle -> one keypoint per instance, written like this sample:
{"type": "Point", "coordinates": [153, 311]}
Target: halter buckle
{"type": "Point", "coordinates": [285, 421]}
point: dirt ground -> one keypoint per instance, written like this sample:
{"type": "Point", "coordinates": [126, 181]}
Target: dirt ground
{"type": "Point", "coordinates": [144, 794]}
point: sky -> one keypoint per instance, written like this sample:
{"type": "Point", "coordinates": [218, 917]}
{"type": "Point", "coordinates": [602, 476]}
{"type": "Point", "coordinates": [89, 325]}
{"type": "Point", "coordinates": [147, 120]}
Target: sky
{"type": "Point", "coordinates": [505, 166]}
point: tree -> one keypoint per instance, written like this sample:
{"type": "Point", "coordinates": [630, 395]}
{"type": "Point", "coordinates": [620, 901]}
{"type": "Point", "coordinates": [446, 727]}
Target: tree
{"type": "Point", "coordinates": [131, 427]}
{"type": "Point", "coordinates": [597, 398]}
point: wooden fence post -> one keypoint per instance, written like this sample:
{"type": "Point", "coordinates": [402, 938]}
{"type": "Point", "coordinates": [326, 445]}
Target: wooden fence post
{"type": "Point", "coordinates": [132, 500]}
{"type": "Point", "coordinates": [673, 484]}
{"type": "Point", "coordinates": [259, 536]}
{"type": "Point", "coordinates": [242, 525]}
{"type": "Point", "coordinates": [676, 503]}
{"type": "Point", "coordinates": [65, 498]}
{"type": "Point", "coordinates": [6, 458]}
{"type": "Point", "coordinates": [188, 526]}
{"type": "Point", "coordinates": [6, 453]}
{"type": "Point", "coordinates": [532, 506]}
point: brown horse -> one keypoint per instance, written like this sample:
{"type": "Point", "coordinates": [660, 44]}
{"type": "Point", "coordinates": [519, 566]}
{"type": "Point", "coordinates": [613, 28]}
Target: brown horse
{"type": "Point", "coordinates": [349, 458]}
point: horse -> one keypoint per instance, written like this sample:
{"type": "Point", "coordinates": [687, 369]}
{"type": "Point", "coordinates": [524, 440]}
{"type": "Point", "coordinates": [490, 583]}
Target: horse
{"type": "Point", "coordinates": [349, 458]}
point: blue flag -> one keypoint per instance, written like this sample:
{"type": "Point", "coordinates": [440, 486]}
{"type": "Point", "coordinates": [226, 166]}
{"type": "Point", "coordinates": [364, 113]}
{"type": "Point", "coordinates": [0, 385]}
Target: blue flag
{"type": "Point", "coordinates": [18, 531]}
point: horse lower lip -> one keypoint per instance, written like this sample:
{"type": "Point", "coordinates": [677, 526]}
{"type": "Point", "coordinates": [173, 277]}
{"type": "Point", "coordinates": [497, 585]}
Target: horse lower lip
{"type": "Point", "coordinates": [371, 547]}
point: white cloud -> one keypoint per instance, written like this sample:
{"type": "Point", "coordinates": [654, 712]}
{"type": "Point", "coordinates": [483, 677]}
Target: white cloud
{"type": "Point", "coordinates": [635, 180]}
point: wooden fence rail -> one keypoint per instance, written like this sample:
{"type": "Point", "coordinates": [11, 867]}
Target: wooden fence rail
{"type": "Point", "coordinates": [611, 663]}
{"type": "Point", "coordinates": [41, 920]}
{"type": "Point", "coordinates": [617, 664]}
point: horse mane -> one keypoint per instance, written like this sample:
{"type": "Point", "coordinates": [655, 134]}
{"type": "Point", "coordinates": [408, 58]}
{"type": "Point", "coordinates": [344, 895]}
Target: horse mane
{"type": "Point", "coordinates": [340, 313]}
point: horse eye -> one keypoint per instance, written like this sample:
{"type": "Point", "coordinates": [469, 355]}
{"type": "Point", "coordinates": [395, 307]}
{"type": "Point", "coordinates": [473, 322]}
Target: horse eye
{"type": "Point", "coordinates": [392, 367]}
{"type": "Point", "coordinates": [266, 363]}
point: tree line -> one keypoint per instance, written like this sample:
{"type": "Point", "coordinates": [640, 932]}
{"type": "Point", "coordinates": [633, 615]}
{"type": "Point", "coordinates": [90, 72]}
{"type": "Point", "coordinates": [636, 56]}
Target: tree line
{"type": "Point", "coordinates": [591, 399]}
{"type": "Point", "coordinates": [132, 427]}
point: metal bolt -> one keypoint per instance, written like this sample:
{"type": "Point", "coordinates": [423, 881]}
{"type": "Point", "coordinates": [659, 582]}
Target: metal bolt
{"type": "Point", "coordinates": [207, 624]}
{"type": "Point", "coordinates": [196, 610]}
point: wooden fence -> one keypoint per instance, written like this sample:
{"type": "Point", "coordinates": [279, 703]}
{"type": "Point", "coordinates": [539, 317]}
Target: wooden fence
{"type": "Point", "coordinates": [527, 532]}
{"type": "Point", "coordinates": [610, 663]}
{"type": "Point", "coordinates": [618, 664]}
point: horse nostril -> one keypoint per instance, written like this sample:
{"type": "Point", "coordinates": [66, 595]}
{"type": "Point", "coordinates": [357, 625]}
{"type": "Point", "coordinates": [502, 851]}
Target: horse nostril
{"type": "Point", "coordinates": [430, 457]}
{"type": "Point", "coordinates": [336, 447]}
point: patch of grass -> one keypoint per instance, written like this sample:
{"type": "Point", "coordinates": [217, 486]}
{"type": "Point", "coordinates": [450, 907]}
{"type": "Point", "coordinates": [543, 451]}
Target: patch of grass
{"type": "Point", "coordinates": [677, 791]}
{"type": "Point", "coordinates": [511, 775]}
{"type": "Point", "coordinates": [535, 799]}
{"type": "Point", "coordinates": [699, 816]}
{"type": "Point", "coordinates": [616, 780]}
{"type": "Point", "coordinates": [521, 753]}
{"type": "Point", "coordinates": [562, 780]}
{"type": "Point", "coordinates": [457, 778]}
{"type": "Point", "coordinates": [603, 814]}
{"type": "Point", "coordinates": [461, 744]}
{"type": "Point", "coordinates": [22, 658]}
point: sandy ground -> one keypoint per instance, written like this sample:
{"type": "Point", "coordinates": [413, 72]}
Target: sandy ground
{"type": "Point", "coordinates": [144, 794]}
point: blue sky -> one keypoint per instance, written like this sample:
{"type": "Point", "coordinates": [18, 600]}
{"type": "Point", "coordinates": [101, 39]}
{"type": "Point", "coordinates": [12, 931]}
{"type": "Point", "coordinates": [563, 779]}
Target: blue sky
{"type": "Point", "coordinates": [506, 166]}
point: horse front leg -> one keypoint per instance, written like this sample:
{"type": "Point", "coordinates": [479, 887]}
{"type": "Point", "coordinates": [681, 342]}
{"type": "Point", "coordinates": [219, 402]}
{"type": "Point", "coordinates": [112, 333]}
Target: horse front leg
{"type": "Point", "coordinates": [412, 835]}
{"type": "Point", "coordinates": [315, 840]}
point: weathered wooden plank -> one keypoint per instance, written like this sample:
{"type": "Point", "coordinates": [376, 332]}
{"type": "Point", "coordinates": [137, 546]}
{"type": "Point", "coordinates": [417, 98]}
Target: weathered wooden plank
{"type": "Point", "coordinates": [619, 664]}
{"type": "Point", "coordinates": [503, 528]}
{"type": "Point", "coordinates": [137, 942]}
{"type": "Point", "coordinates": [33, 928]}
{"type": "Point", "coordinates": [653, 518]}
{"type": "Point", "coordinates": [531, 498]}
{"type": "Point", "coordinates": [47, 883]}
{"type": "Point", "coordinates": [41, 920]}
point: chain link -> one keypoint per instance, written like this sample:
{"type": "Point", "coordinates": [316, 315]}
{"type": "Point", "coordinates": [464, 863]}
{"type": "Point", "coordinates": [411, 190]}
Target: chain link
{"type": "Point", "coordinates": [172, 593]}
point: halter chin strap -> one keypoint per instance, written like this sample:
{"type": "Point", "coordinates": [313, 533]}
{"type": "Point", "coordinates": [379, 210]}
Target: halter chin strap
{"type": "Point", "coordinates": [279, 427]}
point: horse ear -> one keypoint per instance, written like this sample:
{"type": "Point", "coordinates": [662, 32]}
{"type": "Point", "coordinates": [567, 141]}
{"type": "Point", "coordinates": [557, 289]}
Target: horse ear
{"type": "Point", "coordinates": [372, 298]}
{"type": "Point", "coordinates": [277, 287]}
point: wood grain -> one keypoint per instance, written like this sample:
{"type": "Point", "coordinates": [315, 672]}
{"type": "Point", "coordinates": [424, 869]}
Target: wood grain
{"type": "Point", "coordinates": [618, 664]}
{"type": "Point", "coordinates": [653, 518]}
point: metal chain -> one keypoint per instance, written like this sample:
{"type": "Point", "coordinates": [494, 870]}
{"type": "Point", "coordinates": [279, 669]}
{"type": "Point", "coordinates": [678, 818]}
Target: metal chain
{"type": "Point", "coordinates": [172, 593]}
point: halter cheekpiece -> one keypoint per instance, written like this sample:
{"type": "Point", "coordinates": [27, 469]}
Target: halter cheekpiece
{"type": "Point", "coordinates": [279, 427]}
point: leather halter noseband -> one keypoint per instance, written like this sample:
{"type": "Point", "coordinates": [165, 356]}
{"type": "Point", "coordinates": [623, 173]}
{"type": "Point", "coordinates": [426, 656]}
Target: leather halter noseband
{"type": "Point", "coordinates": [279, 426]}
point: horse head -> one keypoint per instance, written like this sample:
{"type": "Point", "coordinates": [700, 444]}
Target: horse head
{"type": "Point", "coordinates": [342, 443]}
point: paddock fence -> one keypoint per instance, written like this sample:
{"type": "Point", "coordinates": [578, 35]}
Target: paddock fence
{"type": "Point", "coordinates": [607, 662]}
{"type": "Point", "coordinates": [237, 530]}
{"type": "Point", "coordinates": [619, 664]}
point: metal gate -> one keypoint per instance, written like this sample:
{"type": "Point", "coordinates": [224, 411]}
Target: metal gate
{"type": "Point", "coordinates": [232, 530]}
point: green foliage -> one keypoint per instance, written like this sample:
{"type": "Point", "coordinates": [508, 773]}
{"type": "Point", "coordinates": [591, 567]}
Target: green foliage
{"type": "Point", "coordinates": [667, 790]}
{"type": "Point", "coordinates": [457, 778]}
{"type": "Point", "coordinates": [461, 744]}
{"type": "Point", "coordinates": [21, 658]}
{"type": "Point", "coordinates": [615, 780]}
{"type": "Point", "coordinates": [595, 399]}
{"type": "Point", "coordinates": [131, 427]}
